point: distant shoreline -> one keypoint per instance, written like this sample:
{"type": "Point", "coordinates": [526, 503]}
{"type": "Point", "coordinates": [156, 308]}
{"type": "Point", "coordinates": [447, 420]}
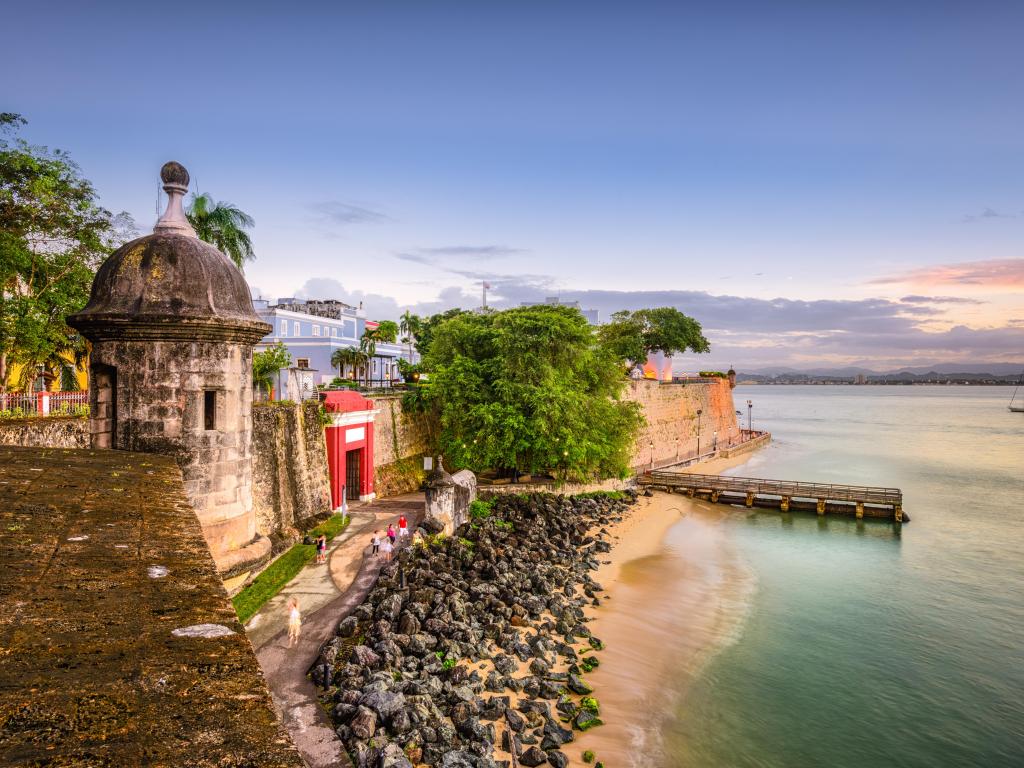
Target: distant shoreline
{"type": "Point", "coordinates": [878, 383]}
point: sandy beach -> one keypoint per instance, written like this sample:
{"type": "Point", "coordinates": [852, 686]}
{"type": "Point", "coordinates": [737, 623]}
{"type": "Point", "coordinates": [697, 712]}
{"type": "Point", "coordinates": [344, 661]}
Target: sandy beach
{"type": "Point", "coordinates": [676, 593]}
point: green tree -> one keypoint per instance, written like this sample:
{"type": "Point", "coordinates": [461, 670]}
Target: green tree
{"type": "Point", "coordinates": [631, 336]}
{"type": "Point", "coordinates": [409, 326]}
{"type": "Point", "coordinates": [222, 225]}
{"type": "Point", "coordinates": [426, 326]}
{"type": "Point", "coordinates": [530, 389]}
{"type": "Point", "coordinates": [267, 363]}
{"type": "Point", "coordinates": [53, 236]}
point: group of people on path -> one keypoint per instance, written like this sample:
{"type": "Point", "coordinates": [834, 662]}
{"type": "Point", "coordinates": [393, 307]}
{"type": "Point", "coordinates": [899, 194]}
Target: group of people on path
{"type": "Point", "coordinates": [387, 545]}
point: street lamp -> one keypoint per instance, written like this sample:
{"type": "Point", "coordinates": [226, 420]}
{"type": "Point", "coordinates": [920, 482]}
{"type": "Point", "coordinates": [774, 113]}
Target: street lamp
{"type": "Point", "coordinates": [699, 412]}
{"type": "Point", "coordinates": [750, 416]}
{"type": "Point", "coordinates": [677, 447]}
{"type": "Point", "coordinates": [652, 454]}
{"type": "Point", "coordinates": [714, 446]}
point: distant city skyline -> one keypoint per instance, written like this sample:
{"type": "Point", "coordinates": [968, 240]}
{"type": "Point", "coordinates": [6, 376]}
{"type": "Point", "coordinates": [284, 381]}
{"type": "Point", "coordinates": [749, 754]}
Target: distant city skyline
{"type": "Point", "coordinates": [819, 186]}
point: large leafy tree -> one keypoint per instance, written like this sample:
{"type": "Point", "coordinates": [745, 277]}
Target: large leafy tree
{"type": "Point", "coordinates": [426, 326]}
{"type": "Point", "coordinates": [224, 226]}
{"type": "Point", "coordinates": [53, 236]}
{"type": "Point", "coordinates": [530, 389]}
{"type": "Point", "coordinates": [631, 336]}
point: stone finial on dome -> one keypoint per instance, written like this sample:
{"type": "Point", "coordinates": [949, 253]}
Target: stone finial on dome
{"type": "Point", "coordinates": [173, 221]}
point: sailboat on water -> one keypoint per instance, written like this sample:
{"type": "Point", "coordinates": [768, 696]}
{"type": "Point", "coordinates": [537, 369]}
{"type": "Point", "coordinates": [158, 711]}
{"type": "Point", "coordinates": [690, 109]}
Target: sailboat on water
{"type": "Point", "coordinates": [1019, 408]}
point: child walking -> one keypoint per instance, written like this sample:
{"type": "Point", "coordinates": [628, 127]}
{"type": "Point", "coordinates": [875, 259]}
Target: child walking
{"type": "Point", "coordinates": [375, 541]}
{"type": "Point", "coordinates": [321, 548]}
{"type": "Point", "coordinates": [403, 526]}
{"type": "Point", "coordinates": [391, 534]}
{"type": "Point", "coordinates": [387, 547]}
{"type": "Point", "coordinates": [294, 622]}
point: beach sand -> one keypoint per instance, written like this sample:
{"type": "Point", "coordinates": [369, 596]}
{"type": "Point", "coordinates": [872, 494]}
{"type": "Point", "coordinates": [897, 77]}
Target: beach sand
{"type": "Point", "coordinates": [676, 592]}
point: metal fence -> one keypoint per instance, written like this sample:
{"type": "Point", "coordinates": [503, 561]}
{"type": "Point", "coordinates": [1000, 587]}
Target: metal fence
{"type": "Point", "coordinates": [44, 404]}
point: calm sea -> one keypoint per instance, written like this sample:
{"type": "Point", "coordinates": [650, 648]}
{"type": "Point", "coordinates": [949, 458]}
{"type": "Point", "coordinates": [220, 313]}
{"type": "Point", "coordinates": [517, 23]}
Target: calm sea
{"type": "Point", "coordinates": [866, 644]}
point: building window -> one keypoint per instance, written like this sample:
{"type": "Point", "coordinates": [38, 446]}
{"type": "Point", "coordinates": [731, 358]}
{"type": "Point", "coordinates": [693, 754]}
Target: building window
{"type": "Point", "coordinates": [334, 332]}
{"type": "Point", "coordinates": [210, 409]}
{"type": "Point", "coordinates": [296, 328]}
{"type": "Point", "coordinates": [316, 330]}
{"type": "Point", "coordinates": [284, 327]}
{"type": "Point", "coordinates": [302, 362]}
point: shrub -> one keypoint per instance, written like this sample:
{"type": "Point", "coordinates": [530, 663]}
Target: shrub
{"type": "Point", "coordinates": [480, 509]}
{"type": "Point", "coordinates": [588, 756]}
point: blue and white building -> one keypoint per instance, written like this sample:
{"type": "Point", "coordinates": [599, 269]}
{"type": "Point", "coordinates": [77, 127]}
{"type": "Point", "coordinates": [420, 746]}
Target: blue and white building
{"type": "Point", "coordinates": [312, 330]}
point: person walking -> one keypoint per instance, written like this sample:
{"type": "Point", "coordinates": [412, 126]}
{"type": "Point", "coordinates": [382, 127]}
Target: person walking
{"type": "Point", "coordinates": [375, 541]}
{"type": "Point", "coordinates": [391, 534]}
{"type": "Point", "coordinates": [386, 548]}
{"type": "Point", "coordinates": [294, 622]}
{"type": "Point", "coordinates": [321, 548]}
{"type": "Point", "coordinates": [403, 526]}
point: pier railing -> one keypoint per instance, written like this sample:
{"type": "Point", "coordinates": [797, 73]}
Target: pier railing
{"type": "Point", "coordinates": [833, 497]}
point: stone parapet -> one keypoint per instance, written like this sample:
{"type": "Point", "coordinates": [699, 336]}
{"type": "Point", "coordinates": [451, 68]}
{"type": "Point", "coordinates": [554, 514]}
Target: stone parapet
{"type": "Point", "coordinates": [120, 646]}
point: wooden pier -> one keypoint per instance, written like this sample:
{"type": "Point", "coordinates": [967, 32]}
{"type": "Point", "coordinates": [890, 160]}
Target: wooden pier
{"type": "Point", "coordinates": [856, 500]}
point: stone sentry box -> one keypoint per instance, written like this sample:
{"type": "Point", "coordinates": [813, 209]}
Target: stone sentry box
{"type": "Point", "coordinates": [172, 326]}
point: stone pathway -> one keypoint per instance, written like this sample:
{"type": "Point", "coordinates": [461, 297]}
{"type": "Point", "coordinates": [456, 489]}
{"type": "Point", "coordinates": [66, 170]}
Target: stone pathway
{"type": "Point", "coordinates": [326, 594]}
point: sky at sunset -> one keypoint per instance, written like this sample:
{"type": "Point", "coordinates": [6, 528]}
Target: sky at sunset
{"type": "Point", "coordinates": [820, 184]}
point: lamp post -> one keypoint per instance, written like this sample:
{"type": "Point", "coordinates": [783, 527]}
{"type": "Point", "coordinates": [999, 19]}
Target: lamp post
{"type": "Point", "coordinates": [714, 445]}
{"type": "Point", "coordinates": [677, 448]}
{"type": "Point", "coordinates": [750, 417]}
{"type": "Point", "coordinates": [699, 412]}
{"type": "Point", "coordinates": [652, 454]}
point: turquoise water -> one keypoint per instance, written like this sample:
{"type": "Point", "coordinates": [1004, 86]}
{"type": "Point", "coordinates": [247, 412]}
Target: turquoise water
{"type": "Point", "coordinates": [866, 644]}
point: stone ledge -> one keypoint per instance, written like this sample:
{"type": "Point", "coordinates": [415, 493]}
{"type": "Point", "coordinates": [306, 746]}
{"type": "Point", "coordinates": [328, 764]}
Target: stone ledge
{"type": "Point", "coordinates": [103, 559]}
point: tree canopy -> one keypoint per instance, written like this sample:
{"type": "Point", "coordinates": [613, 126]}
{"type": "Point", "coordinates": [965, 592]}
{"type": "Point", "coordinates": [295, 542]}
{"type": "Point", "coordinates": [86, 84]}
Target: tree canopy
{"type": "Point", "coordinates": [53, 236]}
{"type": "Point", "coordinates": [223, 226]}
{"type": "Point", "coordinates": [267, 363]}
{"type": "Point", "coordinates": [529, 389]}
{"type": "Point", "coordinates": [631, 336]}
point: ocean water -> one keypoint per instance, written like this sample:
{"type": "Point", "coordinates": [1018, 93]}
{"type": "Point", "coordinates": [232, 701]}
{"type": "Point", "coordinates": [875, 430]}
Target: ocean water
{"type": "Point", "coordinates": [865, 643]}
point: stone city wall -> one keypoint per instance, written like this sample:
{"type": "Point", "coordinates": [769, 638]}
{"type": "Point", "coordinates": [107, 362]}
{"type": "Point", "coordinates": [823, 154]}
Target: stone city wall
{"type": "Point", "coordinates": [45, 432]}
{"type": "Point", "coordinates": [671, 413]}
{"type": "Point", "coordinates": [399, 444]}
{"type": "Point", "coordinates": [291, 485]}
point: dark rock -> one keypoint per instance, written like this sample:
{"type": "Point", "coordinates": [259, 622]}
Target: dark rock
{"type": "Point", "coordinates": [558, 759]}
{"type": "Point", "coordinates": [363, 723]}
{"type": "Point", "coordinates": [365, 657]}
{"type": "Point", "coordinates": [577, 685]}
{"type": "Point", "coordinates": [348, 627]}
{"type": "Point", "coordinates": [533, 757]}
{"type": "Point", "coordinates": [394, 757]}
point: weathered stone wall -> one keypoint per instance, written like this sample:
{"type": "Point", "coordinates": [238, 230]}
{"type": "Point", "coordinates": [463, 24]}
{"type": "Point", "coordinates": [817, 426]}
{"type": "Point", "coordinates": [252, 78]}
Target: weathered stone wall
{"type": "Point", "coordinates": [399, 444]}
{"type": "Point", "coordinates": [128, 653]}
{"type": "Point", "coordinates": [569, 489]}
{"type": "Point", "coordinates": [46, 432]}
{"type": "Point", "coordinates": [290, 479]}
{"type": "Point", "coordinates": [671, 413]}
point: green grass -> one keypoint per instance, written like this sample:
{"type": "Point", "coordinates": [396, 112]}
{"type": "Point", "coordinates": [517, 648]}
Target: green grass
{"type": "Point", "coordinates": [283, 570]}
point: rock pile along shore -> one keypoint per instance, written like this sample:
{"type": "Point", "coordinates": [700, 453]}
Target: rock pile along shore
{"type": "Point", "coordinates": [473, 646]}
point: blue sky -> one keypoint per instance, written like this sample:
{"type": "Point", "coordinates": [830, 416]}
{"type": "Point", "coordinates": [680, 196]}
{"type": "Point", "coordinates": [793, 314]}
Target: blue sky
{"type": "Point", "coordinates": [788, 173]}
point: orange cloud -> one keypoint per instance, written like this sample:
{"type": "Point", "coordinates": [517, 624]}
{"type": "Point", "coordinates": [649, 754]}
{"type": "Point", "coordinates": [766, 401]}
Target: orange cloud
{"type": "Point", "coordinates": [998, 274]}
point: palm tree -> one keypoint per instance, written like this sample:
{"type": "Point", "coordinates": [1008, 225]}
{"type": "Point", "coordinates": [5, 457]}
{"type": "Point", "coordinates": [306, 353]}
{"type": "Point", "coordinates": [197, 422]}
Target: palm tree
{"type": "Point", "coordinates": [409, 324]}
{"type": "Point", "coordinates": [346, 356]}
{"type": "Point", "coordinates": [368, 347]}
{"type": "Point", "coordinates": [222, 225]}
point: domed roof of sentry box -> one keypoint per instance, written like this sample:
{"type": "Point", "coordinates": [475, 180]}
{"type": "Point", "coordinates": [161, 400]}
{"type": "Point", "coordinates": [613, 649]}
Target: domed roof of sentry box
{"type": "Point", "coordinates": [170, 284]}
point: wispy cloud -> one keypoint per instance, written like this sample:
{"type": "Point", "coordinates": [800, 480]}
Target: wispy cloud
{"type": "Point", "coordinates": [914, 299]}
{"type": "Point", "coordinates": [992, 273]}
{"type": "Point", "coordinates": [339, 213]}
{"type": "Point", "coordinates": [987, 215]}
{"type": "Point", "coordinates": [448, 253]}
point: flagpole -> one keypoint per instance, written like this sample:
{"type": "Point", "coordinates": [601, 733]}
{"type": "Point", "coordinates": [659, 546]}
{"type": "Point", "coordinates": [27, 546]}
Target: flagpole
{"type": "Point", "coordinates": [483, 287]}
